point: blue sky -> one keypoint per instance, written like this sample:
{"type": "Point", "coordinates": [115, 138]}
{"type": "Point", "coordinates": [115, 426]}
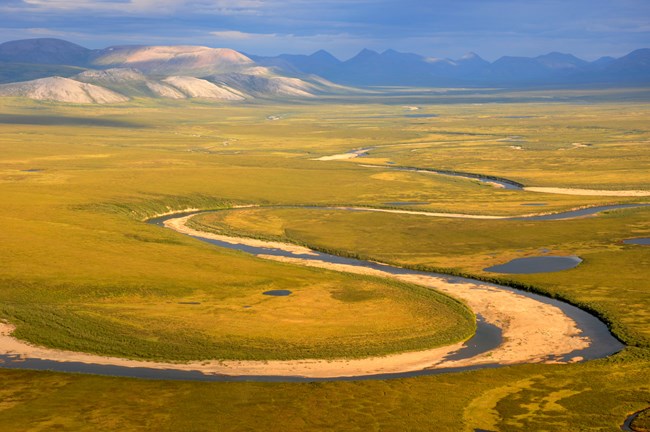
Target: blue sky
{"type": "Point", "coordinates": [449, 28]}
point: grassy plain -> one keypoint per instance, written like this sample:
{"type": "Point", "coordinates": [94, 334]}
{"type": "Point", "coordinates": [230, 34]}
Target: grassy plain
{"type": "Point", "coordinates": [591, 396]}
{"type": "Point", "coordinates": [533, 145]}
{"type": "Point", "coordinates": [80, 270]}
{"type": "Point", "coordinates": [471, 245]}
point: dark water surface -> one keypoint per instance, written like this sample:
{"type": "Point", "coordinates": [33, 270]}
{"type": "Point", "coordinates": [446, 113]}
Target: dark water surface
{"type": "Point", "coordinates": [627, 424]}
{"type": "Point", "coordinates": [405, 203]}
{"type": "Point", "coordinates": [503, 182]}
{"type": "Point", "coordinates": [645, 241]}
{"type": "Point", "coordinates": [487, 337]}
{"type": "Point", "coordinates": [277, 293]}
{"type": "Point", "coordinates": [539, 264]}
{"type": "Point", "coordinates": [572, 214]}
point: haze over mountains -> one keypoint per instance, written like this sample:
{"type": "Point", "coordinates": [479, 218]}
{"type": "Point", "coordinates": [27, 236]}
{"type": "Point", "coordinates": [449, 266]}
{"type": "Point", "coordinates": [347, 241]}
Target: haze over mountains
{"type": "Point", "coordinates": [370, 68]}
{"type": "Point", "coordinates": [54, 69]}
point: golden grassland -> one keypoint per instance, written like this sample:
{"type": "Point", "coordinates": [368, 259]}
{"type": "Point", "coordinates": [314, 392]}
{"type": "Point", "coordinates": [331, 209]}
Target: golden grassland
{"type": "Point", "coordinates": [80, 269]}
{"type": "Point", "coordinates": [534, 145]}
{"type": "Point", "coordinates": [471, 245]}
{"type": "Point", "coordinates": [596, 395]}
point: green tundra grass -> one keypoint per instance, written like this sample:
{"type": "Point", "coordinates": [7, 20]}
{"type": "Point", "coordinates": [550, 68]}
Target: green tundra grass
{"type": "Point", "coordinates": [469, 246]}
{"type": "Point", "coordinates": [80, 270]}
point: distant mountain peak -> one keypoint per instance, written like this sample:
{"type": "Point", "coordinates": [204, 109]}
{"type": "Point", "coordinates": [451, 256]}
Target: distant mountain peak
{"type": "Point", "coordinates": [325, 55]}
{"type": "Point", "coordinates": [472, 59]}
{"type": "Point", "coordinates": [366, 52]}
{"type": "Point", "coordinates": [554, 54]}
{"type": "Point", "coordinates": [44, 51]}
{"type": "Point", "coordinates": [641, 52]}
{"type": "Point", "coordinates": [558, 55]}
{"type": "Point", "coordinates": [470, 56]}
{"type": "Point", "coordinates": [42, 42]}
{"type": "Point", "coordinates": [558, 60]}
{"type": "Point", "coordinates": [438, 60]}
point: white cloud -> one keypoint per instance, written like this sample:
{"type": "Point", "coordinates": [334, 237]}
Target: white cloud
{"type": "Point", "coordinates": [238, 35]}
{"type": "Point", "coordinates": [155, 7]}
{"type": "Point", "coordinates": [344, 44]}
{"type": "Point", "coordinates": [39, 31]}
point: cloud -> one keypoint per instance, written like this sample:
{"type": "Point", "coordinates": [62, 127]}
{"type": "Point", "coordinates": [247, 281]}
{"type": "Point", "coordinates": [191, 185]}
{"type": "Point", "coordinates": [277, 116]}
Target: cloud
{"type": "Point", "coordinates": [41, 32]}
{"type": "Point", "coordinates": [342, 44]}
{"type": "Point", "coordinates": [238, 35]}
{"type": "Point", "coordinates": [432, 27]}
{"type": "Point", "coordinates": [155, 7]}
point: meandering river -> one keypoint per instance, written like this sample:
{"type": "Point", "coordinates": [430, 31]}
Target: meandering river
{"type": "Point", "coordinates": [512, 327]}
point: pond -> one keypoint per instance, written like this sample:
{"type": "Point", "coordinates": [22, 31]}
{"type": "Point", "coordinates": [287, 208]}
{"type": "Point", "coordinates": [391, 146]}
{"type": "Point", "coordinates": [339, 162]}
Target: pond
{"type": "Point", "coordinates": [277, 293]}
{"type": "Point", "coordinates": [539, 264]}
{"type": "Point", "coordinates": [645, 241]}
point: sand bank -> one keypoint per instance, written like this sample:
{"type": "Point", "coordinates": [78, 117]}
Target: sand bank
{"type": "Point", "coordinates": [589, 192]}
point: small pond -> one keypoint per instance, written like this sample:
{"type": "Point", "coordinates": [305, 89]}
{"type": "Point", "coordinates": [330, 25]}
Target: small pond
{"type": "Point", "coordinates": [277, 293]}
{"type": "Point", "coordinates": [540, 264]}
{"type": "Point", "coordinates": [638, 241]}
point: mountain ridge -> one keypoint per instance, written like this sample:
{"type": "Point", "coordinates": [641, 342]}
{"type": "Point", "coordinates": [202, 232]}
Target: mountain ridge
{"type": "Point", "coordinates": [188, 71]}
{"type": "Point", "coordinates": [392, 67]}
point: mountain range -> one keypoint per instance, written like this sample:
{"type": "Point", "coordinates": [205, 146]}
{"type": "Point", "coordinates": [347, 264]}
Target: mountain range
{"type": "Point", "coordinates": [54, 69]}
{"type": "Point", "coordinates": [392, 68]}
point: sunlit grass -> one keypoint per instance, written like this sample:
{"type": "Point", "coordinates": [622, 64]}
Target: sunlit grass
{"type": "Point", "coordinates": [80, 270]}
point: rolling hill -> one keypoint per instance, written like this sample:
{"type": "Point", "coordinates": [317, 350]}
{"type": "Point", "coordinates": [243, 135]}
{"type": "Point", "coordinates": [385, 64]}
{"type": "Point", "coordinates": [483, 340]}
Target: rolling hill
{"type": "Point", "coordinates": [80, 75]}
{"type": "Point", "coordinates": [62, 90]}
{"type": "Point", "coordinates": [53, 69]}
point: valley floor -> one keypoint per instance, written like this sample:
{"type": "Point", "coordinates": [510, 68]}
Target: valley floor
{"type": "Point", "coordinates": [81, 272]}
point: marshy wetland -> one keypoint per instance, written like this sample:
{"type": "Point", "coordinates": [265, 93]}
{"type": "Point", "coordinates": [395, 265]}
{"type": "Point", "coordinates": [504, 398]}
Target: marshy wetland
{"type": "Point", "coordinates": [83, 273]}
